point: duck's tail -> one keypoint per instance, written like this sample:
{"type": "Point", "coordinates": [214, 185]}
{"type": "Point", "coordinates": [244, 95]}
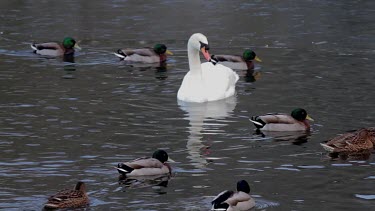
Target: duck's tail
{"type": "Point", "coordinates": [51, 206]}
{"type": "Point", "coordinates": [120, 54]}
{"type": "Point", "coordinates": [327, 148]}
{"type": "Point", "coordinates": [258, 122]}
{"type": "Point", "coordinates": [123, 169]}
{"type": "Point", "coordinates": [218, 203]}
{"type": "Point", "coordinates": [33, 46]}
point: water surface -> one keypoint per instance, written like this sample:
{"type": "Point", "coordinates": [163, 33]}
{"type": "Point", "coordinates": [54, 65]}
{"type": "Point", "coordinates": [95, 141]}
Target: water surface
{"type": "Point", "coordinates": [63, 122]}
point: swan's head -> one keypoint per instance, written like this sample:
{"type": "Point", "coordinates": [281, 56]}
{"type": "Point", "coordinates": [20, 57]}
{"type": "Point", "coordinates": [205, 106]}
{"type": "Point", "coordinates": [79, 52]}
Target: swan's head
{"type": "Point", "coordinates": [199, 42]}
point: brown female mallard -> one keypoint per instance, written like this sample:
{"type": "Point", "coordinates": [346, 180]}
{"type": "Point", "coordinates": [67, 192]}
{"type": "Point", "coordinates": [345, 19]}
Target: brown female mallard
{"type": "Point", "coordinates": [230, 200]}
{"type": "Point", "coordinates": [54, 49]}
{"type": "Point", "coordinates": [73, 198]}
{"type": "Point", "coordinates": [358, 141]}
{"type": "Point", "coordinates": [146, 166]}
{"type": "Point", "coordinates": [297, 121]}
{"type": "Point", "coordinates": [145, 55]}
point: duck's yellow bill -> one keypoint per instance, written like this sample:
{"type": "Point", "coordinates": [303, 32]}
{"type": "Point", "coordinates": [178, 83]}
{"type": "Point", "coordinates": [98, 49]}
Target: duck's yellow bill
{"type": "Point", "coordinates": [168, 52]}
{"type": "Point", "coordinates": [309, 118]}
{"type": "Point", "coordinates": [257, 59]}
{"type": "Point", "coordinates": [170, 160]}
{"type": "Point", "coordinates": [76, 46]}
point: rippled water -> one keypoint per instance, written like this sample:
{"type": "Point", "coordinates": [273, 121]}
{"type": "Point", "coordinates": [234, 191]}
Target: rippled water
{"type": "Point", "coordinates": [63, 122]}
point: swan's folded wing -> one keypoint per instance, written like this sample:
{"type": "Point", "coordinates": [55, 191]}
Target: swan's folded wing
{"type": "Point", "coordinates": [219, 81]}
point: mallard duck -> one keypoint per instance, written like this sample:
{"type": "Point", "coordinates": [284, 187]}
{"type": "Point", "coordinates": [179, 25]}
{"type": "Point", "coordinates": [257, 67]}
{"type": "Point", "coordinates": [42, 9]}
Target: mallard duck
{"type": "Point", "coordinates": [244, 62]}
{"type": "Point", "coordinates": [55, 49]}
{"type": "Point", "coordinates": [297, 121]}
{"type": "Point", "coordinates": [74, 198]}
{"type": "Point", "coordinates": [358, 141]}
{"type": "Point", "coordinates": [146, 166]}
{"type": "Point", "coordinates": [145, 55]}
{"type": "Point", "coordinates": [230, 200]}
{"type": "Point", "coordinates": [207, 81]}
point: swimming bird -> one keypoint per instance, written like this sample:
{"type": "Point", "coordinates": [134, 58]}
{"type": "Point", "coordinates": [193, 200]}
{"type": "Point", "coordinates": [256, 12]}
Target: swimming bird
{"type": "Point", "coordinates": [244, 62]}
{"type": "Point", "coordinates": [73, 198]}
{"type": "Point", "coordinates": [230, 200]}
{"type": "Point", "coordinates": [147, 166]}
{"type": "Point", "coordinates": [297, 121]}
{"type": "Point", "coordinates": [145, 55]}
{"type": "Point", "coordinates": [353, 142]}
{"type": "Point", "coordinates": [207, 81]}
{"type": "Point", "coordinates": [55, 49]}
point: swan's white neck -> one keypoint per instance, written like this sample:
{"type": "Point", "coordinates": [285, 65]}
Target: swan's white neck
{"type": "Point", "coordinates": [194, 60]}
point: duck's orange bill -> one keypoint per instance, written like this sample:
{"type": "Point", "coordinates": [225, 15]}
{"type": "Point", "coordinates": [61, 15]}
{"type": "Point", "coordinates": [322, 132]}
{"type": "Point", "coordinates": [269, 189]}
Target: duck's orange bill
{"type": "Point", "coordinates": [206, 54]}
{"type": "Point", "coordinates": [168, 52]}
{"type": "Point", "coordinates": [258, 59]}
{"type": "Point", "coordinates": [309, 118]}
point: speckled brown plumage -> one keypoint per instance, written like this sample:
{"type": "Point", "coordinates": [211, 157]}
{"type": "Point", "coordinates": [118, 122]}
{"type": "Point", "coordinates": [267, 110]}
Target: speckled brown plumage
{"type": "Point", "coordinates": [360, 140]}
{"type": "Point", "coordinates": [73, 198]}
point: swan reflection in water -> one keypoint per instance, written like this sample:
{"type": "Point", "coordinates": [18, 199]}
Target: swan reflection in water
{"type": "Point", "coordinates": [205, 118]}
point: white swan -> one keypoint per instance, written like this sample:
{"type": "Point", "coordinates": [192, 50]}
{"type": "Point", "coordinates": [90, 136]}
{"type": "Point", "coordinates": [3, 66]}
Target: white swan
{"type": "Point", "coordinates": [205, 82]}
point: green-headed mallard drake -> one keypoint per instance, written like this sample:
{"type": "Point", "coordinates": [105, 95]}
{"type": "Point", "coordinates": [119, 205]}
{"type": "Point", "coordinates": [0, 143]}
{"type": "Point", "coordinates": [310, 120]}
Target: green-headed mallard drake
{"type": "Point", "coordinates": [244, 62]}
{"type": "Point", "coordinates": [146, 166]}
{"type": "Point", "coordinates": [358, 141]}
{"type": "Point", "coordinates": [55, 49]}
{"type": "Point", "coordinates": [145, 55]}
{"type": "Point", "coordinates": [230, 200]}
{"type": "Point", "coordinates": [73, 198]}
{"type": "Point", "coordinates": [297, 121]}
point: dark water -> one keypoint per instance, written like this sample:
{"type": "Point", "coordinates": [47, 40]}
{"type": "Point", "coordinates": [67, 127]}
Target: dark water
{"type": "Point", "coordinates": [62, 122]}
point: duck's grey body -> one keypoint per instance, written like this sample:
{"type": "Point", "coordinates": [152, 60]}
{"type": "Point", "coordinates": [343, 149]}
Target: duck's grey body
{"type": "Point", "coordinates": [48, 49]}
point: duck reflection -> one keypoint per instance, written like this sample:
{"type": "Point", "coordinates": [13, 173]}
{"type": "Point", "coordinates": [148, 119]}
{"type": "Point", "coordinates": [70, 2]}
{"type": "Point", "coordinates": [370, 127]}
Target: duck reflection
{"type": "Point", "coordinates": [137, 182]}
{"type": "Point", "coordinates": [198, 114]}
{"type": "Point", "coordinates": [295, 137]}
{"type": "Point", "coordinates": [160, 69]}
{"type": "Point", "coordinates": [69, 66]}
{"type": "Point", "coordinates": [251, 75]}
{"type": "Point", "coordinates": [358, 156]}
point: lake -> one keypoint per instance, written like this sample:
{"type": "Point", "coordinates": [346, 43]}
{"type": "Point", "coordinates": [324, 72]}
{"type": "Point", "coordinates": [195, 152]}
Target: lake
{"type": "Point", "coordinates": [63, 122]}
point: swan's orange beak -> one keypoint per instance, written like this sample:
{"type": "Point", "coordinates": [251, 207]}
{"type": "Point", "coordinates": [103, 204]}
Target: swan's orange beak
{"type": "Point", "coordinates": [206, 54]}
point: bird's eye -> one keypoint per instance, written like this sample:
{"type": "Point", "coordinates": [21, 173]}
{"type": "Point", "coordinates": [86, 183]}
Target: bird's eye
{"type": "Point", "coordinates": [205, 46]}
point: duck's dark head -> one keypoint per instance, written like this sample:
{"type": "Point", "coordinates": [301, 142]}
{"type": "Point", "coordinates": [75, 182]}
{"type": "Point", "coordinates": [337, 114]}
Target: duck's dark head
{"type": "Point", "coordinates": [161, 155]}
{"type": "Point", "coordinates": [300, 114]}
{"type": "Point", "coordinates": [70, 43]}
{"type": "Point", "coordinates": [249, 55]}
{"type": "Point", "coordinates": [162, 49]}
{"type": "Point", "coordinates": [80, 186]}
{"type": "Point", "coordinates": [243, 186]}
